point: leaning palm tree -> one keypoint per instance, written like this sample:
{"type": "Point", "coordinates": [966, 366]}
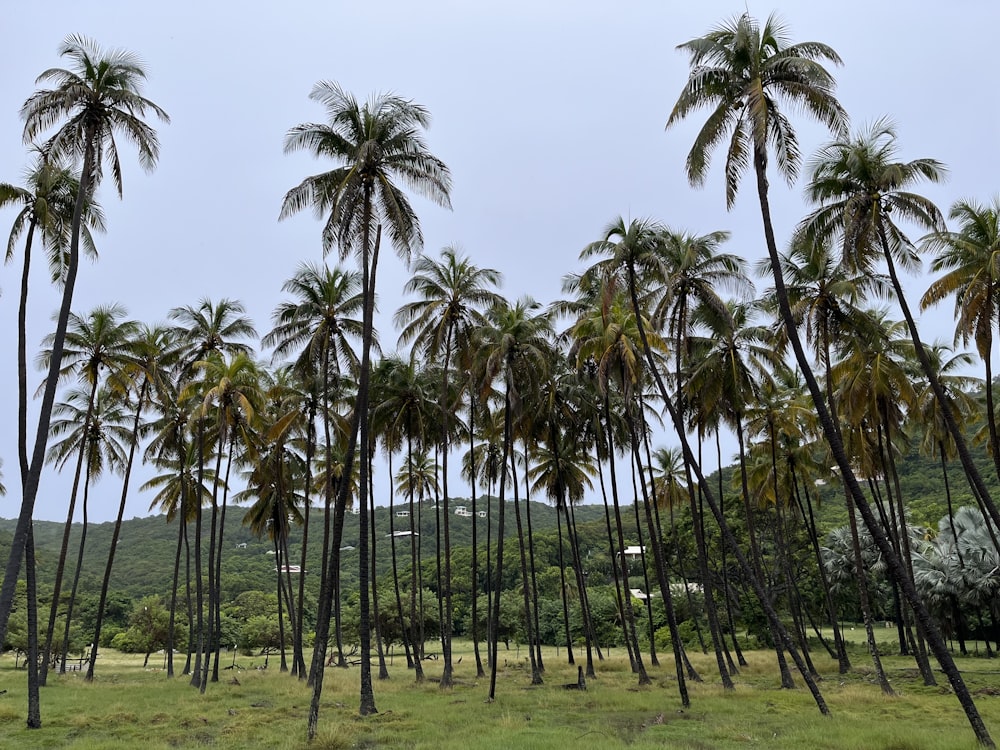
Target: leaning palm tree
{"type": "Point", "coordinates": [373, 144]}
{"type": "Point", "coordinates": [98, 96]}
{"type": "Point", "coordinates": [453, 294]}
{"type": "Point", "coordinates": [970, 259]}
{"type": "Point", "coordinates": [46, 205]}
{"type": "Point", "coordinates": [860, 184]}
{"type": "Point", "coordinates": [744, 72]}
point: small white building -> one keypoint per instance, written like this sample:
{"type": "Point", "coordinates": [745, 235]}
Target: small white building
{"type": "Point", "coordinates": [633, 553]}
{"type": "Point", "coordinates": [402, 514]}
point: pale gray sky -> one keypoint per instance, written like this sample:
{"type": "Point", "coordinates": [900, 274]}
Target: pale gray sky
{"type": "Point", "coordinates": [550, 115]}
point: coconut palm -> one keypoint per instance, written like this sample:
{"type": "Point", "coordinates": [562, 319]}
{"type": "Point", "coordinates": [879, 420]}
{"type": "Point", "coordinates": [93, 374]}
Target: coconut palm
{"type": "Point", "coordinates": [514, 348]}
{"type": "Point", "coordinates": [373, 144]}
{"type": "Point", "coordinates": [402, 414]}
{"type": "Point", "coordinates": [970, 260]}
{"type": "Point", "coordinates": [88, 425]}
{"type": "Point", "coordinates": [231, 397]}
{"type": "Point", "coordinates": [743, 71]}
{"type": "Point", "coordinates": [151, 353]}
{"type": "Point", "coordinates": [96, 351]}
{"type": "Point", "coordinates": [860, 185]}
{"type": "Point", "coordinates": [98, 96]}
{"type": "Point", "coordinates": [319, 324]}
{"type": "Point", "coordinates": [453, 292]}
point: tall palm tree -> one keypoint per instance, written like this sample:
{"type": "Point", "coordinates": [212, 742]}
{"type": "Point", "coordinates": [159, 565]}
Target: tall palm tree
{"type": "Point", "coordinates": [46, 204]}
{"type": "Point", "coordinates": [744, 71]}
{"type": "Point", "coordinates": [860, 185]}
{"type": "Point", "coordinates": [514, 349]}
{"type": "Point", "coordinates": [93, 430]}
{"type": "Point", "coordinates": [319, 320]}
{"type": "Point", "coordinates": [205, 330]}
{"type": "Point", "coordinates": [98, 95]}
{"type": "Point", "coordinates": [96, 352]}
{"type": "Point", "coordinates": [231, 398]}
{"type": "Point", "coordinates": [453, 293]}
{"type": "Point", "coordinates": [151, 354]}
{"type": "Point", "coordinates": [402, 414]}
{"type": "Point", "coordinates": [970, 260]}
{"type": "Point", "coordinates": [373, 144]}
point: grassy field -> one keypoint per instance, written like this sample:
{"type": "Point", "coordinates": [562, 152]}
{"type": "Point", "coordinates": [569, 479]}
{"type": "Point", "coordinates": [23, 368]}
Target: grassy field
{"type": "Point", "coordinates": [131, 707]}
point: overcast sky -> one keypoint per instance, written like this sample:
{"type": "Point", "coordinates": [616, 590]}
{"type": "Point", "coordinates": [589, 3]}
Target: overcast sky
{"type": "Point", "coordinates": [550, 115]}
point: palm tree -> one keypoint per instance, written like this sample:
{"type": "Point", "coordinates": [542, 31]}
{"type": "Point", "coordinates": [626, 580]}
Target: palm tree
{"type": "Point", "coordinates": [206, 329]}
{"type": "Point", "coordinates": [743, 72]}
{"type": "Point", "coordinates": [373, 144]}
{"type": "Point", "coordinates": [93, 430]}
{"type": "Point", "coordinates": [99, 95]}
{"type": "Point", "coordinates": [47, 205]}
{"type": "Point", "coordinates": [514, 348]}
{"type": "Point", "coordinates": [402, 415]}
{"type": "Point", "coordinates": [232, 393]}
{"type": "Point", "coordinates": [151, 353]}
{"type": "Point", "coordinates": [970, 258]}
{"type": "Point", "coordinates": [320, 321]}
{"type": "Point", "coordinates": [860, 185]}
{"type": "Point", "coordinates": [453, 294]}
{"type": "Point", "coordinates": [96, 350]}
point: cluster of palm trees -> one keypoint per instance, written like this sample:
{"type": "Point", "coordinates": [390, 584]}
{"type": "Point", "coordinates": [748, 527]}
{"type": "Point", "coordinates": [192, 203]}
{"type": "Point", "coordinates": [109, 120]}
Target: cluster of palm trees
{"type": "Point", "coordinates": [557, 401]}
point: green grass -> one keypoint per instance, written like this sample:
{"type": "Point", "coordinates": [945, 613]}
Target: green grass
{"type": "Point", "coordinates": [129, 707]}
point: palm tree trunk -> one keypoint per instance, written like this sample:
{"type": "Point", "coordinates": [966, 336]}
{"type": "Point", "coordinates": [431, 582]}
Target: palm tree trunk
{"type": "Point", "coordinates": [562, 583]}
{"type": "Point", "coordinates": [727, 533]}
{"type": "Point", "coordinates": [936, 641]}
{"type": "Point", "coordinates": [64, 649]}
{"type": "Point", "coordinates": [498, 578]}
{"type": "Point", "coordinates": [531, 565]}
{"type": "Point", "coordinates": [33, 477]}
{"type": "Point", "coordinates": [64, 546]}
{"type": "Point", "coordinates": [474, 574]}
{"type": "Point", "coordinates": [175, 580]}
{"type": "Point", "coordinates": [971, 470]}
{"type": "Point", "coordinates": [383, 670]}
{"type": "Point", "coordinates": [105, 584]}
{"type": "Point", "coordinates": [526, 588]}
{"type": "Point", "coordinates": [34, 705]}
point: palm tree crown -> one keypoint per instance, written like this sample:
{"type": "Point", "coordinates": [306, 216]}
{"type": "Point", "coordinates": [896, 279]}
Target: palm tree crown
{"type": "Point", "coordinates": [375, 142]}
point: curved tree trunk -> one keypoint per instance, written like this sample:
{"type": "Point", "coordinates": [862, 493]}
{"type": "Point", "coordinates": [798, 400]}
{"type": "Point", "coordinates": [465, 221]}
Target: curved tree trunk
{"type": "Point", "coordinates": [31, 480]}
{"type": "Point", "coordinates": [935, 640]}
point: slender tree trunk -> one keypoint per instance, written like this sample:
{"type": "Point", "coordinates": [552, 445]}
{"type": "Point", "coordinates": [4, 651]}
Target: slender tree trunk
{"type": "Point", "coordinates": [34, 704]}
{"type": "Point", "coordinates": [937, 643]}
{"type": "Point", "coordinates": [498, 584]}
{"type": "Point", "coordinates": [71, 604]}
{"type": "Point", "coordinates": [474, 604]}
{"type": "Point", "coordinates": [106, 583]}
{"type": "Point", "coordinates": [175, 581]}
{"type": "Point", "coordinates": [526, 588]}
{"type": "Point", "coordinates": [64, 546]}
{"type": "Point", "coordinates": [31, 481]}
